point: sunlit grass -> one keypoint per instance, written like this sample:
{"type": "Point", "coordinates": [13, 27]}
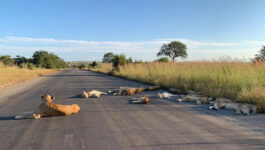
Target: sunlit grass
{"type": "Point", "coordinates": [12, 75]}
{"type": "Point", "coordinates": [239, 81]}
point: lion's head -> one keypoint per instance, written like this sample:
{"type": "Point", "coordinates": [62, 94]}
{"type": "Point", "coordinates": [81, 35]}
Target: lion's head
{"type": "Point", "coordinates": [47, 98]}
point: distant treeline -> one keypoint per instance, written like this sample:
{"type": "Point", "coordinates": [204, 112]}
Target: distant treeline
{"type": "Point", "coordinates": [40, 59]}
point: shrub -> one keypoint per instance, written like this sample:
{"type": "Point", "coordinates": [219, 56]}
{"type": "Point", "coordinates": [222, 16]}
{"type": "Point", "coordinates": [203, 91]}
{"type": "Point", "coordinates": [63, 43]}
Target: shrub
{"type": "Point", "coordinates": [163, 59]}
{"type": "Point", "coordinates": [82, 66]}
{"type": "Point", "coordinates": [48, 60]}
{"type": "Point", "coordinates": [7, 60]}
{"type": "Point", "coordinates": [93, 64]}
{"type": "Point", "coordinates": [118, 60]}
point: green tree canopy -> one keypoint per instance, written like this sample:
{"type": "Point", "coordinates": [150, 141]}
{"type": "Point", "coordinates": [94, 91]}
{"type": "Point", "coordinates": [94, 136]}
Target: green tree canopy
{"type": "Point", "coordinates": [48, 60]}
{"type": "Point", "coordinates": [163, 59]}
{"type": "Point", "coordinates": [173, 50]}
{"type": "Point", "coordinates": [107, 58]}
{"type": "Point", "coordinates": [7, 60]}
{"type": "Point", "coordinates": [118, 60]}
{"type": "Point", "coordinates": [261, 54]}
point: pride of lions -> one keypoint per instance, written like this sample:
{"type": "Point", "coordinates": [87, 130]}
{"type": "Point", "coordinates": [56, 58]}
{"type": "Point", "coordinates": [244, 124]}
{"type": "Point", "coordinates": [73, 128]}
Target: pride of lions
{"type": "Point", "coordinates": [48, 108]}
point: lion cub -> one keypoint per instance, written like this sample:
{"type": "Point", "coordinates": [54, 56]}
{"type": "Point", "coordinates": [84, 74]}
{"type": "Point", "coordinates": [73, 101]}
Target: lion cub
{"type": "Point", "coordinates": [48, 108]}
{"type": "Point", "coordinates": [140, 100]}
{"type": "Point", "coordinates": [93, 94]}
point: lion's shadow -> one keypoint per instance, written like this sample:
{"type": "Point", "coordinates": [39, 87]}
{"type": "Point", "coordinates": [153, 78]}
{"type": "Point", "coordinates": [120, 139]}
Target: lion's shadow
{"type": "Point", "coordinates": [76, 96]}
{"type": "Point", "coordinates": [7, 118]}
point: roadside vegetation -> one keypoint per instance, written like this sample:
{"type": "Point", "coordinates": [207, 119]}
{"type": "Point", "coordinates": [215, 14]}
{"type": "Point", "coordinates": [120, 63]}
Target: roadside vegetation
{"type": "Point", "coordinates": [19, 69]}
{"type": "Point", "coordinates": [239, 80]}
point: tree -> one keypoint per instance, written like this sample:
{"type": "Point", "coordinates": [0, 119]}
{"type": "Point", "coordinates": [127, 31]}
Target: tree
{"type": "Point", "coordinates": [21, 59]}
{"type": "Point", "coordinates": [48, 60]}
{"type": "Point", "coordinates": [118, 60]}
{"type": "Point", "coordinates": [7, 60]}
{"type": "Point", "coordinates": [261, 55]}
{"type": "Point", "coordinates": [107, 58]}
{"type": "Point", "coordinates": [163, 59]}
{"type": "Point", "coordinates": [94, 64]}
{"type": "Point", "coordinates": [129, 60]}
{"type": "Point", "coordinates": [173, 50]}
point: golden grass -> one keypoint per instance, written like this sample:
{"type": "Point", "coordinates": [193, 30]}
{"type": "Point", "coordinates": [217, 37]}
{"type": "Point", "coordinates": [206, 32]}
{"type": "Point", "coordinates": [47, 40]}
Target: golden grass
{"type": "Point", "coordinates": [12, 75]}
{"type": "Point", "coordinates": [239, 81]}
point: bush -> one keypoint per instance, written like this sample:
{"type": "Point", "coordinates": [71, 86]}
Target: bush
{"type": "Point", "coordinates": [30, 66]}
{"type": "Point", "coordinates": [136, 61]}
{"type": "Point", "coordinates": [118, 60]}
{"type": "Point", "coordinates": [93, 64]}
{"type": "Point", "coordinates": [27, 66]}
{"type": "Point", "coordinates": [48, 60]}
{"type": "Point", "coordinates": [129, 60]}
{"type": "Point", "coordinates": [163, 59]}
{"type": "Point", "coordinates": [7, 60]}
{"type": "Point", "coordinates": [82, 66]}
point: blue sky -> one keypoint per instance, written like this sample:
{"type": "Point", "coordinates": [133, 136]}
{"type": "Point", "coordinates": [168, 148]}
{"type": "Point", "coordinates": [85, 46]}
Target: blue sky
{"type": "Point", "coordinates": [86, 29]}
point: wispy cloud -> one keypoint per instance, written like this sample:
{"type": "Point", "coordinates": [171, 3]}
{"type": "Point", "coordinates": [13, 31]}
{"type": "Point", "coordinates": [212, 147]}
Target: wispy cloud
{"type": "Point", "coordinates": [145, 49]}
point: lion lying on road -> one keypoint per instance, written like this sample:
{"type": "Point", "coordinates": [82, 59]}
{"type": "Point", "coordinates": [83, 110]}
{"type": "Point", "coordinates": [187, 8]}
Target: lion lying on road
{"type": "Point", "coordinates": [140, 100]}
{"type": "Point", "coordinates": [48, 108]}
{"type": "Point", "coordinates": [166, 95]}
{"type": "Point", "coordinates": [126, 91]}
{"type": "Point", "coordinates": [238, 107]}
{"type": "Point", "coordinates": [92, 94]}
{"type": "Point", "coordinates": [152, 88]}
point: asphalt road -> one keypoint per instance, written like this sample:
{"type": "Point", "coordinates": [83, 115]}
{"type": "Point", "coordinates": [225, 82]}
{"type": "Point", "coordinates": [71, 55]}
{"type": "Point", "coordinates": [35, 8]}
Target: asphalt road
{"type": "Point", "coordinates": [111, 123]}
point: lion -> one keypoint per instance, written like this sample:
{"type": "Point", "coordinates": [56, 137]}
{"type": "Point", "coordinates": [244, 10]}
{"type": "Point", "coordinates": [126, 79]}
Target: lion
{"type": "Point", "coordinates": [177, 91]}
{"type": "Point", "coordinates": [242, 108]}
{"type": "Point", "coordinates": [48, 108]}
{"type": "Point", "coordinates": [248, 108]}
{"type": "Point", "coordinates": [219, 103]}
{"type": "Point", "coordinates": [140, 100]}
{"type": "Point", "coordinates": [93, 94]}
{"type": "Point", "coordinates": [124, 91]}
{"type": "Point", "coordinates": [152, 88]}
{"type": "Point", "coordinates": [194, 98]}
{"type": "Point", "coordinates": [139, 90]}
{"type": "Point", "coordinates": [166, 95]}
{"type": "Point", "coordinates": [238, 107]}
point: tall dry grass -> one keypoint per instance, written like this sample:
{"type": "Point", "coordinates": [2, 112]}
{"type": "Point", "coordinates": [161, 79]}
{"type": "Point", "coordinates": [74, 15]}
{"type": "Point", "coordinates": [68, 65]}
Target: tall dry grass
{"type": "Point", "coordinates": [240, 81]}
{"type": "Point", "coordinates": [12, 75]}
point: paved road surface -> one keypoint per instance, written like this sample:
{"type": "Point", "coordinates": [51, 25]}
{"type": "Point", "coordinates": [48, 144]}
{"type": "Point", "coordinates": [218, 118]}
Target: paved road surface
{"type": "Point", "coordinates": [110, 123]}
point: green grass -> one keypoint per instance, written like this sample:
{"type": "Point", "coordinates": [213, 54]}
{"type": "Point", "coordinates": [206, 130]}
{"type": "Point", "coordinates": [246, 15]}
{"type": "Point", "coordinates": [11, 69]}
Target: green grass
{"type": "Point", "coordinates": [239, 81]}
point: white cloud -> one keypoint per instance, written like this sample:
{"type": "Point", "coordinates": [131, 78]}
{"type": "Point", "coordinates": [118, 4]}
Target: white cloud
{"type": "Point", "coordinates": [146, 49]}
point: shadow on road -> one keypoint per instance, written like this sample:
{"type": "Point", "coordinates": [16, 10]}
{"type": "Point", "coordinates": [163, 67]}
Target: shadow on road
{"type": "Point", "coordinates": [76, 96]}
{"type": "Point", "coordinates": [75, 75]}
{"type": "Point", "coordinates": [7, 118]}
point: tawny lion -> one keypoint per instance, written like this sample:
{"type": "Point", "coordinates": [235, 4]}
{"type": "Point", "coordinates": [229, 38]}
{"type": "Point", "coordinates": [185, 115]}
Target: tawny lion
{"type": "Point", "coordinates": [125, 91]}
{"type": "Point", "coordinates": [166, 95]}
{"type": "Point", "coordinates": [140, 100]}
{"type": "Point", "coordinates": [152, 88]}
{"type": "Point", "coordinates": [93, 94]}
{"type": "Point", "coordinates": [242, 108]}
{"type": "Point", "coordinates": [48, 108]}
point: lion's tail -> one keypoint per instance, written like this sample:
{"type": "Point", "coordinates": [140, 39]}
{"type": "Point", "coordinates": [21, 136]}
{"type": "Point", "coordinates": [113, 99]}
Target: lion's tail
{"type": "Point", "coordinates": [26, 115]}
{"type": "Point", "coordinates": [104, 93]}
{"type": "Point", "coordinates": [76, 108]}
{"type": "Point", "coordinates": [18, 117]}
